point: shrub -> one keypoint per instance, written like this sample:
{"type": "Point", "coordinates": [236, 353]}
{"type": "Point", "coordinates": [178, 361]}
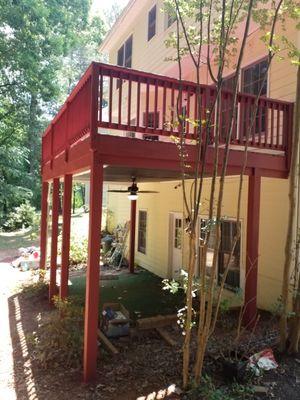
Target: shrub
{"type": "Point", "coordinates": [59, 340]}
{"type": "Point", "coordinates": [23, 216]}
{"type": "Point", "coordinates": [34, 233]}
{"type": "Point", "coordinates": [78, 250]}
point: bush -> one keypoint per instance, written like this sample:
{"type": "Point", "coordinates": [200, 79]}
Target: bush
{"type": "Point", "coordinates": [23, 216]}
{"type": "Point", "coordinates": [78, 250]}
{"type": "Point", "coordinates": [59, 340]}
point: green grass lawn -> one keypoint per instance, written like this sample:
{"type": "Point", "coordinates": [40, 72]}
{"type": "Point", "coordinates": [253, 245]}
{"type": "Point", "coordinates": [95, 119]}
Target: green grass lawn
{"type": "Point", "coordinates": [140, 293]}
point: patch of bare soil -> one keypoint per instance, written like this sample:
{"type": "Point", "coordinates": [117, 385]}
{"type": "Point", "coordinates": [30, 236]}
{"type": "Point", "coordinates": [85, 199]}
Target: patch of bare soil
{"type": "Point", "coordinates": [144, 367]}
{"type": "Point", "coordinates": [8, 255]}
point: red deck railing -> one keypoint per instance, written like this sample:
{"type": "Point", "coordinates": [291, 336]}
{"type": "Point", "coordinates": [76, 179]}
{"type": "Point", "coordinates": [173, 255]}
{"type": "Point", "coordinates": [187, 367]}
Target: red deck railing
{"type": "Point", "coordinates": [144, 103]}
{"type": "Point", "coordinates": [72, 121]}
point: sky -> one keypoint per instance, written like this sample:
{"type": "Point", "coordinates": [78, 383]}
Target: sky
{"type": "Point", "coordinates": [101, 5]}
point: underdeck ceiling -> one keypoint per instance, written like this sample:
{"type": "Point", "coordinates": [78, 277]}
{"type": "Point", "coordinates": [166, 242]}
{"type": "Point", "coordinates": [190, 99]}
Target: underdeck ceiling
{"type": "Point", "coordinates": [124, 174]}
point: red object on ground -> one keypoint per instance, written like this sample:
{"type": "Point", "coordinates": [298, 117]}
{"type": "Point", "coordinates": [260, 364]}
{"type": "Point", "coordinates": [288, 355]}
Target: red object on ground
{"type": "Point", "coordinates": [35, 254]}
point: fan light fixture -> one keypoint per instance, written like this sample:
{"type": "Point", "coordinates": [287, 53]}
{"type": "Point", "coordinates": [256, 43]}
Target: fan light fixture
{"type": "Point", "coordinates": [133, 196]}
{"type": "Point", "coordinates": [132, 190]}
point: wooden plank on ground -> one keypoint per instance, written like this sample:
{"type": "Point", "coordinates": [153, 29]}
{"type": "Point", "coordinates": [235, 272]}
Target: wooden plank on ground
{"type": "Point", "coordinates": [164, 334]}
{"type": "Point", "coordinates": [107, 342]}
{"type": "Point", "coordinates": [156, 322]}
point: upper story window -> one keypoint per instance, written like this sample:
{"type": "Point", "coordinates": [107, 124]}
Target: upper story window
{"type": "Point", "coordinates": [253, 78]}
{"type": "Point", "coordinates": [152, 23]}
{"type": "Point", "coordinates": [125, 54]}
{"type": "Point", "coordinates": [170, 18]}
{"type": "Point", "coordinates": [226, 106]}
{"type": "Point", "coordinates": [254, 81]}
{"type": "Point", "coordinates": [228, 83]}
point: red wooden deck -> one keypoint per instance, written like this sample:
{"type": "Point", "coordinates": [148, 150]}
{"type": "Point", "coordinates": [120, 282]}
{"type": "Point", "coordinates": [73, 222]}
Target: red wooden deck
{"type": "Point", "coordinates": [110, 101]}
{"type": "Point", "coordinates": [91, 132]}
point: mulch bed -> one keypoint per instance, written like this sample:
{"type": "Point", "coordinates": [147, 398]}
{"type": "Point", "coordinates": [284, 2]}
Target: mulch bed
{"type": "Point", "coordinates": [145, 364]}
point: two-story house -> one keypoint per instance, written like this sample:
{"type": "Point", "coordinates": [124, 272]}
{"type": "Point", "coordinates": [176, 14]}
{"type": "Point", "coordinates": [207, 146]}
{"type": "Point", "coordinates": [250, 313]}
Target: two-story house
{"type": "Point", "coordinates": [138, 41]}
{"type": "Point", "coordinates": [114, 126]}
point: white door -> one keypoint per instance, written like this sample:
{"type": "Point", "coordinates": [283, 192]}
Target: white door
{"type": "Point", "coordinates": [176, 243]}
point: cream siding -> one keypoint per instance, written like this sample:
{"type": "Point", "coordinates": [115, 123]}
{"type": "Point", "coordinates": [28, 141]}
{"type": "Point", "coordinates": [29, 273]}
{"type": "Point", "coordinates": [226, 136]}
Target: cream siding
{"type": "Point", "coordinates": [146, 55]}
{"type": "Point", "coordinates": [273, 225]}
{"type": "Point", "coordinates": [274, 192]}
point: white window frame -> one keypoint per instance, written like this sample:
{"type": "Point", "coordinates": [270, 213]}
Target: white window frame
{"type": "Point", "coordinates": [241, 263]}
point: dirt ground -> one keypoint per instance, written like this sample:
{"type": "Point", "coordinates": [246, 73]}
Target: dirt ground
{"type": "Point", "coordinates": [144, 369]}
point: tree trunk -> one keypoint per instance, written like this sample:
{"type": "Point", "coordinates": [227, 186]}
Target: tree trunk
{"type": "Point", "coordinates": [189, 310]}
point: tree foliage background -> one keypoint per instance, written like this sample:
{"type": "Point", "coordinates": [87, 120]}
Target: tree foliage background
{"type": "Point", "coordinates": [45, 46]}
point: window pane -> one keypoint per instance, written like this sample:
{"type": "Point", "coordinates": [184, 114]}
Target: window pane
{"type": "Point", "coordinates": [178, 233]}
{"type": "Point", "coordinates": [120, 60]}
{"type": "Point", "coordinates": [128, 53]}
{"type": "Point", "coordinates": [151, 23]}
{"type": "Point", "coordinates": [247, 77]}
{"type": "Point", "coordinates": [255, 82]}
{"type": "Point", "coordinates": [228, 234]}
{"type": "Point", "coordinates": [253, 78]}
{"type": "Point", "coordinates": [171, 18]}
{"type": "Point", "coordinates": [228, 83]}
{"type": "Point", "coordinates": [142, 231]}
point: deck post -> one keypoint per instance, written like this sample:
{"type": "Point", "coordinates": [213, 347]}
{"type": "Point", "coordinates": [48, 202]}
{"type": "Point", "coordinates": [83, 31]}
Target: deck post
{"type": "Point", "coordinates": [64, 277]}
{"type": "Point", "coordinates": [93, 268]}
{"type": "Point", "coordinates": [132, 235]}
{"type": "Point", "coordinates": [54, 236]}
{"type": "Point", "coordinates": [250, 310]}
{"type": "Point", "coordinates": [44, 225]}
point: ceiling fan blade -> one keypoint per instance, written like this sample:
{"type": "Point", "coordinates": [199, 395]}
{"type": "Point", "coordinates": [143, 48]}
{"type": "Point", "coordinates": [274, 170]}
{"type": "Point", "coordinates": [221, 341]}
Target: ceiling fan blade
{"type": "Point", "coordinates": [118, 191]}
{"type": "Point", "coordinates": [147, 191]}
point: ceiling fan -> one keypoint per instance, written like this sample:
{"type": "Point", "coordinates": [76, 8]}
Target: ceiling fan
{"type": "Point", "coordinates": [133, 190]}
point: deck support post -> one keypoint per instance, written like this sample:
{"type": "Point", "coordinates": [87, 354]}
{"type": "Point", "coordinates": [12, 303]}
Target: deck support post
{"type": "Point", "coordinates": [64, 277]}
{"type": "Point", "coordinates": [250, 305]}
{"type": "Point", "coordinates": [132, 235]}
{"type": "Point", "coordinates": [54, 236]}
{"type": "Point", "coordinates": [93, 268]}
{"type": "Point", "coordinates": [44, 225]}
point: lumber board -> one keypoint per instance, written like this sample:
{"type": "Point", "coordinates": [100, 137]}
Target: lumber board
{"type": "Point", "coordinates": [107, 342]}
{"type": "Point", "coordinates": [164, 334]}
{"type": "Point", "coordinates": [158, 321]}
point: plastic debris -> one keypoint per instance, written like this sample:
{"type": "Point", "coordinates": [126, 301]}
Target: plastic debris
{"type": "Point", "coordinates": [262, 361]}
{"type": "Point", "coordinates": [29, 258]}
